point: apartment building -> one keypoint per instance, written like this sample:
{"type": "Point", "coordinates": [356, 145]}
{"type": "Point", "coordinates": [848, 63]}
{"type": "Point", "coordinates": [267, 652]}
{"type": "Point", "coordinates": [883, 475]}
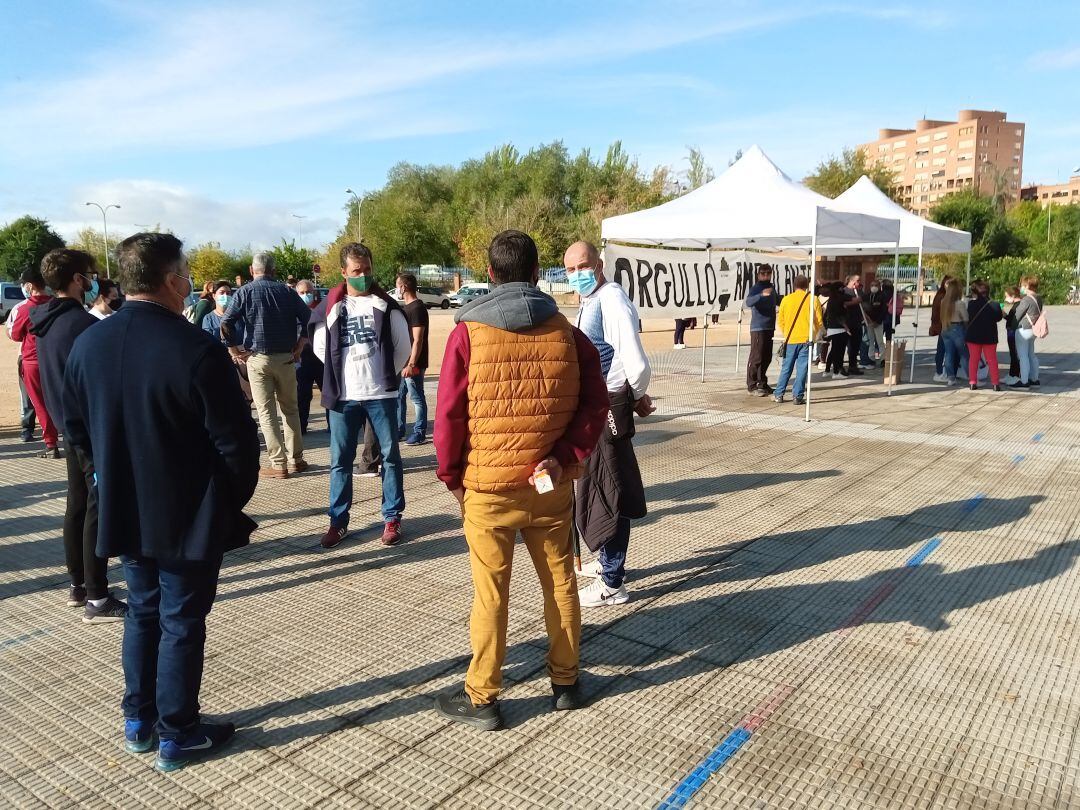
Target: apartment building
{"type": "Point", "coordinates": [1055, 194]}
{"type": "Point", "coordinates": [981, 150]}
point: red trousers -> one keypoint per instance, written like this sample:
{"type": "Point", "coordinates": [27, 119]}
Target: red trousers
{"type": "Point", "coordinates": [32, 381]}
{"type": "Point", "coordinates": [987, 351]}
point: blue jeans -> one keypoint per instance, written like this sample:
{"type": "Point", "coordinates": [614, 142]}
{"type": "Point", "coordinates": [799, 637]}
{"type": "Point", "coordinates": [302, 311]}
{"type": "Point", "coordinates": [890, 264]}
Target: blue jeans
{"type": "Point", "coordinates": [413, 388]}
{"type": "Point", "coordinates": [164, 640]}
{"type": "Point", "coordinates": [956, 353]}
{"type": "Point", "coordinates": [613, 554]}
{"type": "Point", "coordinates": [346, 428]}
{"type": "Point", "coordinates": [797, 358]}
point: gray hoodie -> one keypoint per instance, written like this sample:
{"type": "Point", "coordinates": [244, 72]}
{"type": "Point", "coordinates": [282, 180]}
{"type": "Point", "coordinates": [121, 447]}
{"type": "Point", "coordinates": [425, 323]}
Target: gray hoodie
{"type": "Point", "coordinates": [514, 307]}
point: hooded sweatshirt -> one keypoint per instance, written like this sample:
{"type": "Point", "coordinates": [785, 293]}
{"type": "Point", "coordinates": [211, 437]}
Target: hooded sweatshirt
{"type": "Point", "coordinates": [518, 384]}
{"type": "Point", "coordinates": [56, 325]}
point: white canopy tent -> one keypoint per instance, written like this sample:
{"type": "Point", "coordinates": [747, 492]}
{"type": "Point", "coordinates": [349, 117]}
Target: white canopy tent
{"type": "Point", "coordinates": [753, 205]}
{"type": "Point", "coordinates": [917, 235]}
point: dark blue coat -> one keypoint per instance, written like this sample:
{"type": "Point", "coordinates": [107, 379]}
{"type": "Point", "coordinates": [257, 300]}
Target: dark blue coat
{"type": "Point", "coordinates": [155, 404]}
{"type": "Point", "coordinates": [57, 324]}
{"type": "Point", "coordinates": [762, 307]}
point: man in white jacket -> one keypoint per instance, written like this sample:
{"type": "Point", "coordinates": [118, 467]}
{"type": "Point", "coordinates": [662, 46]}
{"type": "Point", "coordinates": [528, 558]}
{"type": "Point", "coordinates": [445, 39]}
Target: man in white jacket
{"type": "Point", "coordinates": [610, 320]}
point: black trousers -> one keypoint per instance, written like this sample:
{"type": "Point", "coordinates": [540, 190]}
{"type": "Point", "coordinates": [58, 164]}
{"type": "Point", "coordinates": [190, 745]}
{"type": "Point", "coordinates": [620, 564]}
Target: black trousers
{"type": "Point", "coordinates": [80, 527]}
{"type": "Point", "coordinates": [757, 367]}
{"type": "Point", "coordinates": [854, 342]}
{"type": "Point", "coordinates": [837, 344]}
{"type": "Point", "coordinates": [680, 330]}
{"type": "Point", "coordinates": [308, 375]}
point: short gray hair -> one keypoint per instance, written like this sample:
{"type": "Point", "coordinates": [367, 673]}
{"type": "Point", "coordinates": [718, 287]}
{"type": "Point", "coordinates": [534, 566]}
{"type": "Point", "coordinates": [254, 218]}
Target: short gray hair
{"type": "Point", "coordinates": [263, 263]}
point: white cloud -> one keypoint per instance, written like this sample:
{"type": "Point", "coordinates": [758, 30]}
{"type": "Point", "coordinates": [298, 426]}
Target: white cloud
{"type": "Point", "coordinates": [196, 218]}
{"type": "Point", "coordinates": [1059, 59]}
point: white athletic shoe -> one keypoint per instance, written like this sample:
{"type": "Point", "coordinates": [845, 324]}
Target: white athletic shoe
{"type": "Point", "coordinates": [591, 569]}
{"type": "Point", "coordinates": [1009, 379]}
{"type": "Point", "coordinates": [950, 381]}
{"type": "Point", "coordinates": [828, 375]}
{"type": "Point", "coordinates": [598, 594]}
{"type": "Point", "coordinates": [941, 378]}
{"type": "Point", "coordinates": [680, 345]}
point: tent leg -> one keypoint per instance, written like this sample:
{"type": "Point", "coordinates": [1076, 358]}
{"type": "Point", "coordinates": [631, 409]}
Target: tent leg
{"type": "Point", "coordinates": [967, 288]}
{"type": "Point", "coordinates": [918, 304]}
{"type": "Point", "coordinates": [810, 312]}
{"type": "Point", "coordinates": [704, 344]}
{"type": "Point", "coordinates": [895, 318]}
{"type": "Point", "coordinates": [738, 340]}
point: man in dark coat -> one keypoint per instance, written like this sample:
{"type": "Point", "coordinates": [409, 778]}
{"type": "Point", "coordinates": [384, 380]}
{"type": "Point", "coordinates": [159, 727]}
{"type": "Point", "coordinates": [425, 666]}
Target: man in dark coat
{"type": "Point", "coordinates": [155, 406]}
{"type": "Point", "coordinates": [56, 325]}
{"type": "Point", "coordinates": [761, 300]}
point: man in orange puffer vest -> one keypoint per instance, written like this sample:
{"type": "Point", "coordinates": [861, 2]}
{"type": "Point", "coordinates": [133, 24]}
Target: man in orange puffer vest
{"type": "Point", "coordinates": [521, 401]}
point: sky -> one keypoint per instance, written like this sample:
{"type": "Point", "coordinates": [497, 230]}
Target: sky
{"type": "Point", "coordinates": [227, 121]}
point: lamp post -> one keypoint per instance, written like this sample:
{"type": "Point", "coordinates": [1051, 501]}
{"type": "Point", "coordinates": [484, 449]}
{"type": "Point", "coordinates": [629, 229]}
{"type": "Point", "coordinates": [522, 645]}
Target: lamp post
{"type": "Point", "coordinates": [105, 225]}
{"type": "Point", "coordinates": [300, 221]}
{"type": "Point", "coordinates": [359, 202]}
{"type": "Point", "coordinates": [1076, 172]}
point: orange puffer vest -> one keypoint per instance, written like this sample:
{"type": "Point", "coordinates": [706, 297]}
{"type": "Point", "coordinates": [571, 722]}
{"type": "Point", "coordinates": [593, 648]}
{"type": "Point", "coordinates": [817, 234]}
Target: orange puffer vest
{"type": "Point", "coordinates": [523, 394]}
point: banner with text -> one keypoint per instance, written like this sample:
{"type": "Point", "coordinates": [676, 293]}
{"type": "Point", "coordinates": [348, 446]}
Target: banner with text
{"type": "Point", "coordinates": [691, 283]}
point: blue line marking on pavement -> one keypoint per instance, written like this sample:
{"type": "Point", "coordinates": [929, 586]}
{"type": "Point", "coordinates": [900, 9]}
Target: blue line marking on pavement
{"type": "Point", "coordinates": [971, 504]}
{"type": "Point", "coordinates": [1018, 458]}
{"type": "Point", "coordinates": [697, 778]}
{"type": "Point", "coordinates": [919, 557]}
{"type": "Point", "coordinates": [1037, 437]}
{"type": "Point", "coordinates": [8, 643]}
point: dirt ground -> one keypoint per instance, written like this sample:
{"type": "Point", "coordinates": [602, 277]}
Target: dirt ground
{"type": "Point", "coordinates": [656, 337]}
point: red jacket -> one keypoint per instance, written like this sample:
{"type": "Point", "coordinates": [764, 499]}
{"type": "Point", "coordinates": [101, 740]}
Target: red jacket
{"type": "Point", "coordinates": [20, 330]}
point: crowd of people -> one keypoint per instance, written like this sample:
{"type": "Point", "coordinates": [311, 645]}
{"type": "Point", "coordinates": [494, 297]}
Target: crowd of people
{"type": "Point", "coordinates": [533, 431]}
{"type": "Point", "coordinates": [533, 436]}
{"type": "Point", "coordinates": [852, 328]}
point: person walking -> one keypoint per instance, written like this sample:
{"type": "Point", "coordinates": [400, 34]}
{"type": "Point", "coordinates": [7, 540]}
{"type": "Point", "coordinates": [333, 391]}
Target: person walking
{"type": "Point", "coordinates": [936, 330]}
{"type": "Point", "coordinates": [364, 346]}
{"type": "Point", "coordinates": [56, 325]}
{"type": "Point", "coordinates": [680, 332]}
{"type": "Point", "coordinates": [20, 333]}
{"type": "Point", "coordinates": [1027, 312]}
{"type": "Point", "coordinates": [953, 315]}
{"type": "Point", "coordinates": [176, 459]}
{"type": "Point", "coordinates": [836, 331]}
{"type": "Point", "coordinates": [794, 322]}
{"type": "Point", "coordinates": [981, 335]}
{"type": "Point", "coordinates": [108, 299]}
{"type": "Point", "coordinates": [412, 376]}
{"type": "Point", "coordinates": [610, 493]}
{"type": "Point", "coordinates": [27, 416]}
{"type": "Point", "coordinates": [310, 371]}
{"type": "Point", "coordinates": [761, 301]}
{"type": "Point", "coordinates": [855, 317]}
{"type": "Point", "coordinates": [273, 320]}
{"type": "Point", "coordinates": [510, 460]}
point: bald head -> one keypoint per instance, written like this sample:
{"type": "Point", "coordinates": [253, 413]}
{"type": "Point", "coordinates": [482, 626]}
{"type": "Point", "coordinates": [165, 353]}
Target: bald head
{"type": "Point", "coordinates": [581, 255]}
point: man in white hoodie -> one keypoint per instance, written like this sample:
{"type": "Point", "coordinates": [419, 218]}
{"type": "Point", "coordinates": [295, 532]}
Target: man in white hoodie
{"type": "Point", "coordinates": [610, 494]}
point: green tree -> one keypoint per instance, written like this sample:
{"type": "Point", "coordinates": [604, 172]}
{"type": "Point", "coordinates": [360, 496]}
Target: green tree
{"type": "Point", "coordinates": [1054, 277]}
{"type": "Point", "coordinates": [23, 244]}
{"type": "Point", "coordinates": [92, 241]}
{"type": "Point", "coordinates": [291, 261]}
{"type": "Point", "coordinates": [209, 262]}
{"type": "Point", "coordinates": [699, 172]}
{"type": "Point", "coordinates": [992, 234]}
{"type": "Point", "coordinates": [835, 175]}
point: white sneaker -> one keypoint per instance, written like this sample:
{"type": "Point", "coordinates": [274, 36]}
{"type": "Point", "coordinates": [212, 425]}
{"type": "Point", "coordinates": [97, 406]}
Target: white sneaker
{"type": "Point", "coordinates": [591, 569]}
{"type": "Point", "coordinates": [828, 375]}
{"type": "Point", "coordinates": [1009, 379]}
{"type": "Point", "coordinates": [941, 378]}
{"type": "Point", "coordinates": [598, 594]}
{"type": "Point", "coordinates": [680, 345]}
{"type": "Point", "coordinates": [950, 380]}
{"type": "Point", "coordinates": [821, 366]}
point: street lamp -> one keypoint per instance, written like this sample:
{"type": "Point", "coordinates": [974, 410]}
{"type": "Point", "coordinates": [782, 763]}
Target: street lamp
{"type": "Point", "coordinates": [300, 221]}
{"type": "Point", "coordinates": [1076, 172]}
{"type": "Point", "coordinates": [105, 225]}
{"type": "Point", "coordinates": [359, 202]}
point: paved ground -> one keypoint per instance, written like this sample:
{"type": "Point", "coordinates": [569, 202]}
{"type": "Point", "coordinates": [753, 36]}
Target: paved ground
{"type": "Point", "coordinates": [875, 609]}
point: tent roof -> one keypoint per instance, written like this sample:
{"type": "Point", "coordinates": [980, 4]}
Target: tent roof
{"type": "Point", "coordinates": [915, 232]}
{"type": "Point", "coordinates": [752, 204]}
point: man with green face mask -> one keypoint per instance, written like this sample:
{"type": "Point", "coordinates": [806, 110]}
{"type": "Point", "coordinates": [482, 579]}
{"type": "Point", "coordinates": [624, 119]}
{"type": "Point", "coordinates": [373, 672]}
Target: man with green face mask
{"type": "Point", "coordinates": [364, 345]}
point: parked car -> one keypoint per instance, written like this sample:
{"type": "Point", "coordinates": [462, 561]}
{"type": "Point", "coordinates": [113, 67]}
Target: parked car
{"type": "Point", "coordinates": [10, 294]}
{"type": "Point", "coordinates": [469, 292]}
{"type": "Point", "coordinates": [430, 296]}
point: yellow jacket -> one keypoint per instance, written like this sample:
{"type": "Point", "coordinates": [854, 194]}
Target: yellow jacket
{"type": "Point", "coordinates": [786, 315]}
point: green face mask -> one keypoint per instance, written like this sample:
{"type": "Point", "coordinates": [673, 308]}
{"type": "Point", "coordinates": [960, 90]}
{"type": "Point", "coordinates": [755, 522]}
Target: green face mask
{"type": "Point", "coordinates": [361, 284]}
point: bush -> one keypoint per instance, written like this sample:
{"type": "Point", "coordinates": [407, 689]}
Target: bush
{"type": "Point", "coordinates": [1054, 279]}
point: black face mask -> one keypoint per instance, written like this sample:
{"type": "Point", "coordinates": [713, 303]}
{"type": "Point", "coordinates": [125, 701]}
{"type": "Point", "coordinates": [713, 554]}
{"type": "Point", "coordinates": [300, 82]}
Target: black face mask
{"type": "Point", "coordinates": [116, 303]}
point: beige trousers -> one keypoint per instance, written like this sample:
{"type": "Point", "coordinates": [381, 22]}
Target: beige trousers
{"type": "Point", "coordinates": [273, 388]}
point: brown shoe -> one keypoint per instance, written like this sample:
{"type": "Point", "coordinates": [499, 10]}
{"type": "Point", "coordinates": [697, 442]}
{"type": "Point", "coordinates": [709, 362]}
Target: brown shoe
{"type": "Point", "coordinates": [333, 536]}
{"type": "Point", "coordinates": [273, 472]}
{"type": "Point", "coordinates": [298, 466]}
{"type": "Point", "coordinates": [391, 535]}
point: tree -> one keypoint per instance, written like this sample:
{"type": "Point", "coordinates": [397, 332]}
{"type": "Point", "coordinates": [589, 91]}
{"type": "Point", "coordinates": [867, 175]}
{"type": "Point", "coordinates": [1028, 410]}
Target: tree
{"type": "Point", "coordinates": [291, 261]}
{"type": "Point", "coordinates": [92, 241]}
{"type": "Point", "coordinates": [835, 175]}
{"type": "Point", "coordinates": [23, 244]}
{"type": "Point", "coordinates": [699, 172]}
{"type": "Point", "coordinates": [209, 262]}
{"type": "Point", "coordinates": [992, 235]}
{"type": "Point", "coordinates": [736, 158]}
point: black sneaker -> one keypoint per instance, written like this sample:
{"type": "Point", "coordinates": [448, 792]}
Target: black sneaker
{"type": "Point", "coordinates": [856, 370]}
{"type": "Point", "coordinates": [1020, 385]}
{"type": "Point", "coordinates": [176, 753]}
{"type": "Point", "coordinates": [50, 452]}
{"type": "Point", "coordinates": [973, 387]}
{"type": "Point", "coordinates": [27, 436]}
{"type": "Point", "coordinates": [844, 373]}
{"type": "Point", "coordinates": [800, 400]}
{"type": "Point", "coordinates": [1034, 382]}
{"type": "Point", "coordinates": [458, 707]}
{"type": "Point", "coordinates": [566, 697]}
{"type": "Point", "coordinates": [113, 610]}
{"type": "Point", "coordinates": [76, 596]}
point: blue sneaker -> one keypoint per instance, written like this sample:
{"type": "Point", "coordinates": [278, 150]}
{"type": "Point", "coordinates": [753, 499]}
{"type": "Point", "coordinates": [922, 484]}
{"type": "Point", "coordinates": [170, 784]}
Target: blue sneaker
{"type": "Point", "coordinates": [175, 754]}
{"type": "Point", "coordinates": [139, 736]}
{"type": "Point", "coordinates": [415, 439]}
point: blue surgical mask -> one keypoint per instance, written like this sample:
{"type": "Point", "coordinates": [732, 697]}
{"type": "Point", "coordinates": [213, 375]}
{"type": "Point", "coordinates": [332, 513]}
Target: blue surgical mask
{"type": "Point", "coordinates": [583, 282]}
{"type": "Point", "coordinates": [307, 298]}
{"type": "Point", "coordinates": [223, 300]}
{"type": "Point", "coordinates": [89, 296]}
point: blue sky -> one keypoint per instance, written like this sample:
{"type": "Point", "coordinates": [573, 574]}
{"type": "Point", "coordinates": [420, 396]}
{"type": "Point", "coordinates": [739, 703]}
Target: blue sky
{"type": "Point", "coordinates": [222, 119]}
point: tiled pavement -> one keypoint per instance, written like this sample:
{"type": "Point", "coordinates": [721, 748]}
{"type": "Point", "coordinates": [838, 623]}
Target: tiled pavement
{"type": "Point", "coordinates": [873, 609]}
